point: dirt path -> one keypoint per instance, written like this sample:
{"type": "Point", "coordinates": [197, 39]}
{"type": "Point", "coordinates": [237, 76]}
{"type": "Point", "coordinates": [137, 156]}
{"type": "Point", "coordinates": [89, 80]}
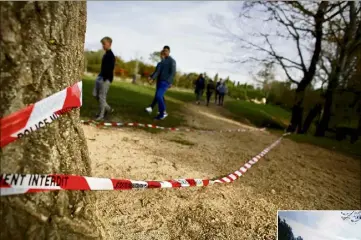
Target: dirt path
{"type": "Point", "coordinates": [291, 176]}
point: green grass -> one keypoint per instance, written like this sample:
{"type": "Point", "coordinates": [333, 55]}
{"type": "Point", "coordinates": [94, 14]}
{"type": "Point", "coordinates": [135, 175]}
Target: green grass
{"type": "Point", "coordinates": [344, 146]}
{"type": "Point", "coordinates": [129, 101]}
{"type": "Point", "coordinates": [260, 115]}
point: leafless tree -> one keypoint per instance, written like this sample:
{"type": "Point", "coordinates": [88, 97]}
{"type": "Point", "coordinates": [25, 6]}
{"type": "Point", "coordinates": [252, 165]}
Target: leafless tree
{"type": "Point", "coordinates": [300, 22]}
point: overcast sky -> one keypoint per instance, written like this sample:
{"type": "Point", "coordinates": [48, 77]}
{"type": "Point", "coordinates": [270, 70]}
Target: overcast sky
{"type": "Point", "coordinates": [139, 28]}
{"type": "Point", "coordinates": [321, 225]}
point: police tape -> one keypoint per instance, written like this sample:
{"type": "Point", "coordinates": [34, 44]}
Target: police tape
{"type": "Point", "coordinates": [39, 114]}
{"type": "Point", "coordinates": [153, 126]}
{"type": "Point", "coordinates": [11, 184]}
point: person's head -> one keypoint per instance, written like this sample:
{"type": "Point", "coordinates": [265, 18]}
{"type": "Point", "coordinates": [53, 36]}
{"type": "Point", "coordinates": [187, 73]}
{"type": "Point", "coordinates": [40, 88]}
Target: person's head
{"type": "Point", "coordinates": [201, 75]}
{"type": "Point", "coordinates": [166, 50]}
{"type": "Point", "coordinates": [107, 43]}
{"type": "Point", "coordinates": [162, 54]}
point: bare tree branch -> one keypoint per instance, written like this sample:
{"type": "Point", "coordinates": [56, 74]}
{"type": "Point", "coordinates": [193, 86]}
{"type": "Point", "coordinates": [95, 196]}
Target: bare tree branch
{"type": "Point", "coordinates": [301, 8]}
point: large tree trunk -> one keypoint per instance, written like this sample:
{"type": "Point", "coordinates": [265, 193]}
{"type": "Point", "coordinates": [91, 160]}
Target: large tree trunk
{"type": "Point", "coordinates": [327, 109]}
{"type": "Point", "coordinates": [348, 42]}
{"type": "Point", "coordinates": [297, 110]}
{"type": "Point", "coordinates": [316, 110]}
{"type": "Point", "coordinates": [42, 46]}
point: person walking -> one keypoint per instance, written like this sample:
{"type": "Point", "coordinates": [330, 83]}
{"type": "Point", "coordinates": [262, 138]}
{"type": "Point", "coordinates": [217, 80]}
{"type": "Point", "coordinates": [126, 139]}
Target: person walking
{"type": "Point", "coordinates": [151, 78]}
{"type": "Point", "coordinates": [199, 88]}
{"type": "Point", "coordinates": [222, 90]}
{"type": "Point", "coordinates": [166, 77]}
{"type": "Point", "coordinates": [217, 93]}
{"type": "Point", "coordinates": [104, 79]}
{"type": "Point", "coordinates": [210, 90]}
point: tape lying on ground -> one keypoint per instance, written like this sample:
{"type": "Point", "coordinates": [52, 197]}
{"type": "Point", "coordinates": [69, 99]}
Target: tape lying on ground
{"type": "Point", "coordinates": [11, 184]}
{"type": "Point", "coordinates": [39, 114]}
{"type": "Point", "coordinates": [145, 125]}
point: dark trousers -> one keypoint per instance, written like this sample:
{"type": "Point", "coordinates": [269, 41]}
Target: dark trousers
{"type": "Point", "coordinates": [216, 97]}
{"type": "Point", "coordinates": [221, 98]}
{"type": "Point", "coordinates": [209, 95]}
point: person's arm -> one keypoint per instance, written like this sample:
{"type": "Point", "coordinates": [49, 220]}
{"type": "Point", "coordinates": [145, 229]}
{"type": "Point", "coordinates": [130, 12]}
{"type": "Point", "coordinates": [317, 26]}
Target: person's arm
{"type": "Point", "coordinates": [172, 72]}
{"type": "Point", "coordinates": [155, 74]}
{"type": "Point", "coordinates": [109, 64]}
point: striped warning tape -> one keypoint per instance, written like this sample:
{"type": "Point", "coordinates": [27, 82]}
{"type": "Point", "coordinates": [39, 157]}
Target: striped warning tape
{"type": "Point", "coordinates": [153, 126]}
{"type": "Point", "coordinates": [39, 114]}
{"type": "Point", "coordinates": [11, 184]}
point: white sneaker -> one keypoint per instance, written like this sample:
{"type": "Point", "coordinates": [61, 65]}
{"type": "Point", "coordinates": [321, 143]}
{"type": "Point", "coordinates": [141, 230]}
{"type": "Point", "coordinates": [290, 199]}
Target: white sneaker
{"type": "Point", "coordinates": [149, 110]}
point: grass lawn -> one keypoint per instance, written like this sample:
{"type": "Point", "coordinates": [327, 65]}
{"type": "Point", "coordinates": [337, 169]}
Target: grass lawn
{"type": "Point", "coordinates": [129, 101]}
{"type": "Point", "coordinates": [260, 115]}
{"type": "Point", "coordinates": [344, 146]}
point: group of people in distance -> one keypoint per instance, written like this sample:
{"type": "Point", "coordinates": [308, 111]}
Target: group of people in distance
{"type": "Point", "coordinates": [164, 75]}
{"type": "Point", "coordinates": [220, 90]}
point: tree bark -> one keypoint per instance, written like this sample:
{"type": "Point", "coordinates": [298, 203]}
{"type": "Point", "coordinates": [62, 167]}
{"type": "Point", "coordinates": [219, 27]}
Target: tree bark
{"type": "Point", "coordinates": [297, 110]}
{"type": "Point", "coordinates": [348, 42]}
{"type": "Point", "coordinates": [316, 110]}
{"type": "Point", "coordinates": [42, 45]}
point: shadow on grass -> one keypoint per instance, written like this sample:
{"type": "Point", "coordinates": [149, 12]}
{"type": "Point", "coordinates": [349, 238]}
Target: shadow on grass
{"type": "Point", "coordinates": [268, 116]}
{"type": "Point", "coordinates": [344, 147]}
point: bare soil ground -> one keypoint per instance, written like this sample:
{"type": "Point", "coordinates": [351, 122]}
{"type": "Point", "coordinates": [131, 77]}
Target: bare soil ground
{"type": "Point", "coordinates": [291, 176]}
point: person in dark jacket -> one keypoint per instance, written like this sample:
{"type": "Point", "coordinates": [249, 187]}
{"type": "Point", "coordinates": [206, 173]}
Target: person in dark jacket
{"type": "Point", "coordinates": [199, 88]}
{"type": "Point", "coordinates": [210, 89]}
{"type": "Point", "coordinates": [104, 79]}
{"type": "Point", "coordinates": [166, 77]}
{"type": "Point", "coordinates": [217, 93]}
{"type": "Point", "coordinates": [154, 77]}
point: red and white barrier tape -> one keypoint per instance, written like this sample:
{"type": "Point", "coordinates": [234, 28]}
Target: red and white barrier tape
{"type": "Point", "coordinates": [39, 114]}
{"type": "Point", "coordinates": [145, 125]}
{"type": "Point", "coordinates": [11, 184]}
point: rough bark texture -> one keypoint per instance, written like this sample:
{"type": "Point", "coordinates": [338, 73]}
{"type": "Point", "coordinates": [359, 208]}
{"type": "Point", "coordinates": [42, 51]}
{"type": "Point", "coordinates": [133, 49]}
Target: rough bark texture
{"type": "Point", "coordinates": [42, 46]}
{"type": "Point", "coordinates": [316, 110]}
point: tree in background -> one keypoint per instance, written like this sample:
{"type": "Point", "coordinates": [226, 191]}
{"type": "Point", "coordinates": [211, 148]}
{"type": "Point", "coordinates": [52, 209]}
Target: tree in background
{"type": "Point", "coordinates": [344, 33]}
{"type": "Point", "coordinates": [215, 79]}
{"type": "Point", "coordinates": [285, 231]}
{"type": "Point", "coordinates": [42, 48]}
{"type": "Point", "coordinates": [154, 57]}
{"type": "Point", "coordinates": [300, 22]}
{"type": "Point", "coordinates": [93, 60]}
{"type": "Point", "coordinates": [265, 77]}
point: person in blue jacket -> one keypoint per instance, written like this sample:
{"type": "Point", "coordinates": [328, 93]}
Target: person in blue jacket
{"type": "Point", "coordinates": [222, 90]}
{"type": "Point", "coordinates": [152, 77]}
{"type": "Point", "coordinates": [165, 79]}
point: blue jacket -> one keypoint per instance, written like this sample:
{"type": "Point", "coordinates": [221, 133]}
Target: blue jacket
{"type": "Point", "coordinates": [167, 70]}
{"type": "Point", "coordinates": [222, 89]}
{"type": "Point", "coordinates": [155, 74]}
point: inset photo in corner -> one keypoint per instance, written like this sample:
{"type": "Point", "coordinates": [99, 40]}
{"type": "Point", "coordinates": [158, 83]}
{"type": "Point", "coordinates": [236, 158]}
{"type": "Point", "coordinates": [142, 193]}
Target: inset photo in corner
{"type": "Point", "coordinates": [319, 225]}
